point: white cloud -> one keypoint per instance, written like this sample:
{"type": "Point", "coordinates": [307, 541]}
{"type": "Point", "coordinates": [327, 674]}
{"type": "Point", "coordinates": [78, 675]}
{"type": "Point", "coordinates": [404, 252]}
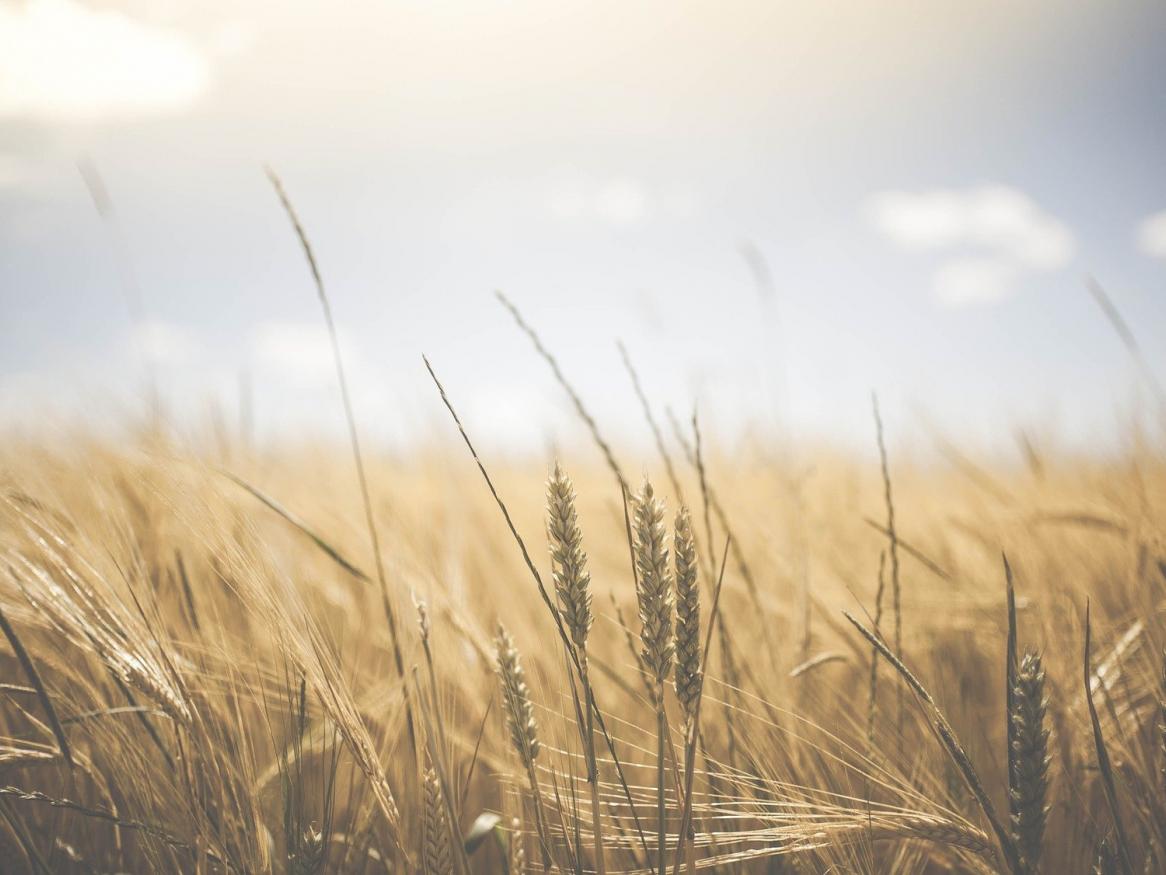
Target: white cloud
{"type": "Point", "coordinates": [164, 343]}
{"type": "Point", "coordinates": [63, 61]}
{"type": "Point", "coordinates": [1018, 235]}
{"type": "Point", "coordinates": [1152, 235]}
{"type": "Point", "coordinates": [569, 200]}
{"type": "Point", "coordinates": [620, 203]}
{"type": "Point", "coordinates": [962, 281]}
{"type": "Point", "coordinates": [298, 352]}
{"type": "Point", "coordinates": [13, 171]}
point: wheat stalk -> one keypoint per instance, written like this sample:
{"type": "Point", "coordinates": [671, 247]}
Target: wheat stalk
{"type": "Point", "coordinates": [521, 723]}
{"type": "Point", "coordinates": [354, 443]}
{"type": "Point", "coordinates": [950, 743]}
{"type": "Point", "coordinates": [573, 586]}
{"type": "Point", "coordinates": [893, 538]}
{"type": "Point", "coordinates": [932, 830]}
{"type": "Point", "coordinates": [655, 597]}
{"type": "Point", "coordinates": [1105, 767]}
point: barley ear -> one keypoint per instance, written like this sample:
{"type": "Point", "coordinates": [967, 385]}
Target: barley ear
{"type": "Point", "coordinates": [568, 561]}
{"type": "Point", "coordinates": [1030, 761]}
{"type": "Point", "coordinates": [688, 650]}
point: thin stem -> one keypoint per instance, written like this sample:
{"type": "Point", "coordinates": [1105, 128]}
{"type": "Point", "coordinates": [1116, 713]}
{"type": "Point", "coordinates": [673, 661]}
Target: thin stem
{"type": "Point", "coordinates": [354, 440]}
{"type": "Point", "coordinates": [540, 825]}
{"type": "Point", "coordinates": [661, 809]}
{"type": "Point", "coordinates": [593, 769]}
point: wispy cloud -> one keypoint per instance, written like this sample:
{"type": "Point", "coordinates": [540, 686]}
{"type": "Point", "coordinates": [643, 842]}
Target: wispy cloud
{"type": "Point", "coordinates": [297, 352]}
{"type": "Point", "coordinates": [962, 281]}
{"type": "Point", "coordinates": [1152, 235]}
{"type": "Point", "coordinates": [992, 234]}
{"type": "Point", "coordinates": [621, 203]}
{"type": "Point", "coordinates": [13, 171]}
{"type": "Point", "coordinates": [64, 61]}
{"type": "Point", "coordinates": [164, 343]}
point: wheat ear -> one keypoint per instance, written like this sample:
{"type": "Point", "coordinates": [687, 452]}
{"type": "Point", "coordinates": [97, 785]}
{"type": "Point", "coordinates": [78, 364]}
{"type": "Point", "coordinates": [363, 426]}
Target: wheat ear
{"type": "Point", "coordinates": [520, 720]}
{"type": "Point", "coordinates": [655, 596]}
{"type": "Point", "coordinates": [516, 856]}
{"type": "Point", "coordinates": [568, 561]}
{"type": "Point", "coordinates": [688, 674]}
{"type": "Point", "coordinates": [654, 585]}
{"type": "Point", "coordinates": [573, 587]}
{"type": "Point", "coordinates": [438, 856]}
{"type": "Point", "coordinates": [1030, 759]}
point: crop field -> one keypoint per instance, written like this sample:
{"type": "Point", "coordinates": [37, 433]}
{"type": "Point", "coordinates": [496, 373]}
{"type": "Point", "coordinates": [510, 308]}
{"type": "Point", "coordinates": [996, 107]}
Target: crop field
{"type": "Point", "coordinates": [582, 437]}
{"type": "Point", "coordinates": [236, 659]}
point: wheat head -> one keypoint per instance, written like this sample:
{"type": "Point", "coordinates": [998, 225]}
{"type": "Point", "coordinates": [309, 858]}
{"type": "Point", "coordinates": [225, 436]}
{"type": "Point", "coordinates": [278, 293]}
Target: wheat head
{"type": "Point", "coordinates": [654, 584]}
{"type": "Point", "coordinates": [516, 698]}
{"type": "Point", "coordinates": [1030, 756]}
{"type": "Point", "coordinates": [688, 674]}
{"type": "Point", "coordinates": [568, 561]}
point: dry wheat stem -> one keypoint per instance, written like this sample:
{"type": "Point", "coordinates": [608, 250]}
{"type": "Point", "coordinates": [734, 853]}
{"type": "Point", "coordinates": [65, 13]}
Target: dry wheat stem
{"type": "Point", "coordinates": [1103, 762]}
{"type": "Point", "coordinates": [655, 596]}
{"type": "Point", "coordinates": [521, 723]}
{"type": "Point", "coordinates": [354, 441]}
{"type": "Point", "coordinates": [893, 538]}
{"type": "Point", "coordinates": [951, 745]}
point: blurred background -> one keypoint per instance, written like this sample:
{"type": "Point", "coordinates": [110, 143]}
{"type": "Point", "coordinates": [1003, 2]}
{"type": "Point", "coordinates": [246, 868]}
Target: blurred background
{"type": "Point", "coordinates": [777, 207]}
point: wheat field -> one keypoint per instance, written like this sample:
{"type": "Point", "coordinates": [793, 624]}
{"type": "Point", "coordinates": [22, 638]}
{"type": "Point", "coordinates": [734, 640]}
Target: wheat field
{"type": "Point", "coordinates": [452, 582]}
{"type": "Point", "coordinates": [223, 657]}
{"type": "Point", "coordinates": [205, 670]}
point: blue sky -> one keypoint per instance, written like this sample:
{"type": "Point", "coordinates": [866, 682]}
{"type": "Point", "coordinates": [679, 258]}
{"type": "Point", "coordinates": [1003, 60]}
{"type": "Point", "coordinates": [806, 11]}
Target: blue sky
{"type": "Point", "coordinates": [928, 183]}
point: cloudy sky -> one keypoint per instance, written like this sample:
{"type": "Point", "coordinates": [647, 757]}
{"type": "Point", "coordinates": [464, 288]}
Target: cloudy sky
{"type": "Point", "coordinates": [925, 185]}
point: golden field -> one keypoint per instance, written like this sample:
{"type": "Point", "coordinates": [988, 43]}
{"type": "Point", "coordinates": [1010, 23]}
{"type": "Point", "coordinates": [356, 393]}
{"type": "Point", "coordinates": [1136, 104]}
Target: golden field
{"type": "Point", "coordinates": [195, 680]}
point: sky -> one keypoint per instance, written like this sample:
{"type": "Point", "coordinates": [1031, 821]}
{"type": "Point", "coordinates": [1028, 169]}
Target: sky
{"type": "Point", "coordinates": [777, 207]}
